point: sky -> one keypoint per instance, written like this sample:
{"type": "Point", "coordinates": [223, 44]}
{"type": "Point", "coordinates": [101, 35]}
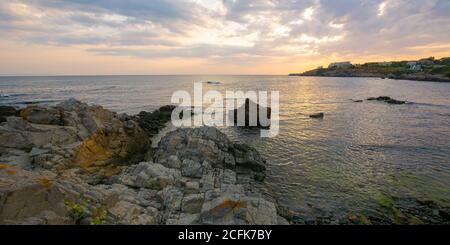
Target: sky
{"type": "Point", "coordinates": [136, 37]}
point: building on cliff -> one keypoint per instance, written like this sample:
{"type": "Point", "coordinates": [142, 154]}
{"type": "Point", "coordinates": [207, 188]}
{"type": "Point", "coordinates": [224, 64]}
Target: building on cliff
{"type": "Point", "coordinates": [343, 64]}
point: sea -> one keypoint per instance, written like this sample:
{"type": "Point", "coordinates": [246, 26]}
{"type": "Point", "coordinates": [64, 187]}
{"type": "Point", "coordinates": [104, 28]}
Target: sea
{"type": "Point", "coordinates": [369, 158]}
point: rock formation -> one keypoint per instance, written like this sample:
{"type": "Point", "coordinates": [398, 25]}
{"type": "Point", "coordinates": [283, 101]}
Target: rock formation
{"type": "Point", "coordinates": [387, 99]}
{"type": "Point", "coordinates": [80, 164]}
{"type": "Point", "coordinates": [252, 109]}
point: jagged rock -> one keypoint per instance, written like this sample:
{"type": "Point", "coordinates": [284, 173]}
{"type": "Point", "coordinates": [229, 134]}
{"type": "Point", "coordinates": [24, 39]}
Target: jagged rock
{"type": "Point", "coordinates": [77, 164]}
{"type": "Point", "coordinates": [152, 122]}
{"type": "Point", "coordinates": [42, 115]}
{"type": "Point", "coordinates": [387, 99]}
{"type": "Point", "coordinates": [252, 109]}
{"type": "Point", "coordinates": [209, 144]}
{"type": "Point", "coordinates": [107, 139]}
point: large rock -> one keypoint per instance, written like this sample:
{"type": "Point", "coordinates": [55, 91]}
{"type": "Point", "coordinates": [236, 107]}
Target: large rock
{"type": "Point", "coordinates": [42, 115]}
{"type": "Point", "coordinates": [80, 164]}
{"type": "Point", "coordinates": [251, 109]}
{"type": "Point", "coordinates": [7, 111]}
{"type": "Point", "coordinates": [153, 122]}
{"type": "Point", "coordinates": [24, 194]}
{"type": "Point", "coordinates": [194, 146]}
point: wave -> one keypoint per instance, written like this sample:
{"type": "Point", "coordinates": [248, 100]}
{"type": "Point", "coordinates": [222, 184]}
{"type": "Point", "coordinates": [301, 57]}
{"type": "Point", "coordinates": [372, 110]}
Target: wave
{"type": "Point", "coordinates": [6, 95]}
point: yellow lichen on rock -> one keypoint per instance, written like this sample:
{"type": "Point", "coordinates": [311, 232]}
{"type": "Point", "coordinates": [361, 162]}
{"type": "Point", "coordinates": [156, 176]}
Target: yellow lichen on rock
{"type": "Point", "coordinates": [45, 182]}
{"type": "Point", "coordinates": [95, 151]}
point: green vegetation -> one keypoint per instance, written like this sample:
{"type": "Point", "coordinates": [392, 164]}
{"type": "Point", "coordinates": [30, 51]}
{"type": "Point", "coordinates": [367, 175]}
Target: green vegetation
{"type": "Point", "coordinates": [100, 218]}
{"type": "Point", "coordinates": [76, 211]}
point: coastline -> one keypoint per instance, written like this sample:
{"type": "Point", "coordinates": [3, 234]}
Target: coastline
{"type": "Point", "coordinates": [417, 79]}
{"type": "Point", "coordinates": [79, 164]}
{"type": "Point", "coordinates": [75, 164]}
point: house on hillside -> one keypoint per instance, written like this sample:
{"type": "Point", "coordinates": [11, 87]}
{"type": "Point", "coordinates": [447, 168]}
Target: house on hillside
{"type": "Point", "coordinates": [414, 65]}
{"type": "Point", "coordinates": [344, 64]}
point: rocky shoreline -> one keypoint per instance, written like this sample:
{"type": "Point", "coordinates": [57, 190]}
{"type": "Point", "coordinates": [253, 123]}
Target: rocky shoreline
{"type": "Point", "coordinates": [420, 78]}
{"type": "Point", "coordinates": [78, 164]}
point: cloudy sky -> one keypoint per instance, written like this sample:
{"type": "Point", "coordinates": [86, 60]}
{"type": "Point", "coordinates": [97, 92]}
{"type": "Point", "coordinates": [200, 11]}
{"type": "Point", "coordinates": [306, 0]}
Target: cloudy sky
{"type": "Point", "coordinates": [214, 36]}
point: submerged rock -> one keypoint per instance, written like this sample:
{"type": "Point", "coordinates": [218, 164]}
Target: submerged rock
{"type": "Point", "coordinates": [387, 99]}
{"type": "Point", "coordinates": [317, 115]}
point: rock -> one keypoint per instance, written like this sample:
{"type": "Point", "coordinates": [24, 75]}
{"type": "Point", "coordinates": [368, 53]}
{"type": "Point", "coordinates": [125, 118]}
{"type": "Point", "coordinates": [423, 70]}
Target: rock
{"type": "Point", "coordinates": [112, 147]}
{"type": "Point", "coordinates": [188, 219]}
{"type": "Point", "coordinates": [172, 198]}
{"type": "Point", "coordinates": [173, 162]}
{"type": "Point", "coordinates": [192, 187]}
{"type": "Point", "coordinates": [42, 115]}
{"type": "Point", "coordinates": [192, 203]}
{"type": "Point", "coordinates": [79, 164]}
{"type": "Point", "coordinates": [387, 99]}
{"type": "Point", "coordinates": [232, 210]}
{"type": "Point", "coordinates": [317, 115]}
{"type": "Point", "coordinates": [208, 144]}
{"type": "Point", "coordinates": [7, 111]}
{"type": "Point", "coordinates": [153, 122]}
{"type": "Point", "coordinates": [261, 211]}
{"type": "Point", "coordinates": [245, 110]}
{"type": "Point", "coordinates": [191, 169]}
{"type": "Point", "coordinates": [37, 151]}
{"type": "Point", "coordinates": [248, 157]}
{"type": "Point", "coordinates": [151, 176]}
{"type": "Point", "coordinates": [129, 213]}
{"type": "Point", "coordinates": [24, 194]}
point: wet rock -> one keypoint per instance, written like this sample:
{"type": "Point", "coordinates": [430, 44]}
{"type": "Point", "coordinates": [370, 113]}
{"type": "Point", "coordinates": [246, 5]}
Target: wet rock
{"type": "Point", "coordinates": [251, 115]}
{"type": "Point", "coordinates": [317, 115]}
{"type": "Point", "coordinates": [153, 122]}
{"type": "Point", "coordinates": [387, 99]}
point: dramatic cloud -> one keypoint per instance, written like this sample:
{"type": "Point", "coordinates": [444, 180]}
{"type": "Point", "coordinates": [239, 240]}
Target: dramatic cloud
{"type": "Point", "coordinates": [232, 31]}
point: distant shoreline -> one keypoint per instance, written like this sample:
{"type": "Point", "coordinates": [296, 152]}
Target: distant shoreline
{"type": "Point", "coordinates": [417, 79]}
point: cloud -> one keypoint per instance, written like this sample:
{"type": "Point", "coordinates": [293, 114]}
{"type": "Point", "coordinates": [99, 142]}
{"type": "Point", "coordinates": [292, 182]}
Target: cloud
{"type": "Point", "coordinates": [229, 30]}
